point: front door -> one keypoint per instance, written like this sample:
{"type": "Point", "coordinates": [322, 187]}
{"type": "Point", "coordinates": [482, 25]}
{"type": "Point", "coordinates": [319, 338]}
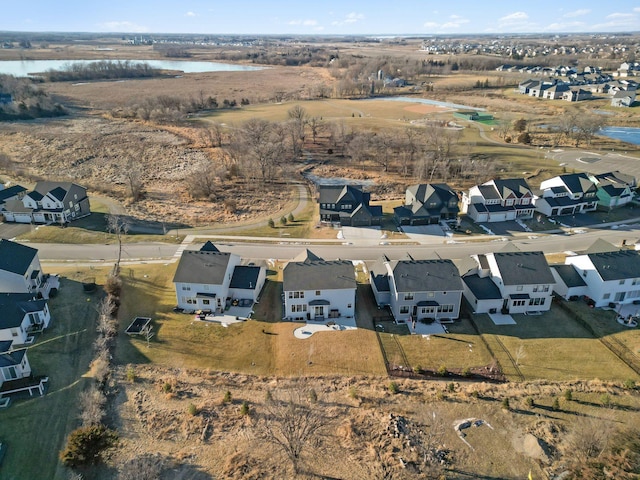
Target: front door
{"type": "Point", "coordinates": [319, 311]}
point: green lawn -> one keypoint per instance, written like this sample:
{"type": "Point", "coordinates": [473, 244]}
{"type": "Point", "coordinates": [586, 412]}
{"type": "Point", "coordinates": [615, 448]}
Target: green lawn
{"type": "Point", "coordinates": [35, 429]}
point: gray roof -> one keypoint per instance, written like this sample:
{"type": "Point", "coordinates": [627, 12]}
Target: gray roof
{"type": "Point", "coordinates": [14, 306]}
{"type": "Point", "coordinates": [569, 275]}
{"type": "Point", "coordinates": [336, 193]}
{"type": "Point", "coordinates": [426, 276]}
{"type": "Point", "coordinates": [319, 275]}
{"type": "Point", "coordinates": [618, 265]}
{"type": "Point", "coordinates": [202, 267]}
{"type": "Point", "coordinates": [15, 257]}
{"type": "Point", "coordinates": [601, 246]}
{"type": "Point", "coordinates": [578, 182]}
{"type": "Point", "coordinates": [483, 288]}
{"type": "Point", "coordinates": [245, 277]}
{"type": "Point", "coordinates": [13, 358]}
{"type": "Point", "coordinates": [209, 247]}
{"type": "Point", "coordinates": [11, 191]}
{"type": "Point", "coordinates": [306, 256]}
{"type": "Point", "coordinates": [523, 268]}
{"type": "Point", "coordinates": [61, 190]}
{"type": "Point", "coordinates": [516, 186]}
{"type": "Point", "coordinates": [379, 274]}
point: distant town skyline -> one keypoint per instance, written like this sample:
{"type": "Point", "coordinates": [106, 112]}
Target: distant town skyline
{"type": "Point", "coordinates": [330, 17]}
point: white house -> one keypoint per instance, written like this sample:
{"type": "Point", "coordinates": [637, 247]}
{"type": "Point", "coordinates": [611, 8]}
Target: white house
{"type": "Point", "coordinates": [623, 98]}
{"type": "Point", "coordinates": [569, 283]}
{"type": "Point", "coordinates": [316, 289]}
{"type": "Point", "coordinates": [417, 289]}
{"type": "Point", "coordinates": [568, 194]}
{"type": "Point", "coordinates": [20, 270]}
{"type": "Point", "coordinates": [21, 314]}
{"type": "Point", "coordinates": [615, 189]}
{"type": "Point", "coordinates": [207, 280]}
{"type": "Point", "coordinates": [499, 201]}
{"type": "Point", "coordinates": [49, 202]}
{"type": "Point", "coordinates": [523, 279]}
{"type": "Point", "coordinates": [14, 364]}
{"type": "Point", "coordinates": [611, 277]}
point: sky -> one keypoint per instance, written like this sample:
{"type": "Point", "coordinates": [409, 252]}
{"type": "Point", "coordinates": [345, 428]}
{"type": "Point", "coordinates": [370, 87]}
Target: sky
{"type": "Point", "coordinates": [328, 17]}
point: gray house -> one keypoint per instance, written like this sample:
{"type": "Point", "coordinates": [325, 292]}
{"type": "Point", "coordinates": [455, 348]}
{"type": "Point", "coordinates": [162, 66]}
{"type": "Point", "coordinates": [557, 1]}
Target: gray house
{"type": "Point", "coordinates": [427, 204]}
{"type": "Point", "coordinates": [347, 205]}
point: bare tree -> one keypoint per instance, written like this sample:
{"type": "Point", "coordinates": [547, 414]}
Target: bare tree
{"type": "Point", "coordinates": [133, 174]}
{"type": "Point", "coordinates": [145, 467]}
{"type": "Point", "coordinates": [339, 136]}
{"type": "Point", "coordinates": [293, 425]}
{"type": "Point", "coordinates": [316, 125]}
{"type": "Point", "coordinates": [298, 119]}
{"type": "Point", "coordinates": [261, 143]}
{"type": "Point", "coordinates": [203, 181]}
{"type": "Point", "coordinates": [119, 226]}
{"type": "Point", "coordinates": [213, 136]}
{"type": "Point", "coordinates": [586, 126]}
{"type": "Point", "coordinates": [588, 438]}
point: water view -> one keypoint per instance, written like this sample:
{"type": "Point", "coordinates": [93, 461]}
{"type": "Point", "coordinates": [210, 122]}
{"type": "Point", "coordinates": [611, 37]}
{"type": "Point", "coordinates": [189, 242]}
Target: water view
{"type": "Point", "coordinates": [428, 101]}
{"type": "Point", "coordinates": [625, 134]}
{"type": "Point", "coordinates": [24, 68]}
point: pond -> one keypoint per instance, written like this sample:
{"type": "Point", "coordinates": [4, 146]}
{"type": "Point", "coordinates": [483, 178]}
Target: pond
{"type": "Point", "coordinates": [626, 134]}
{"type": "Point", "coordinates": [23, 68]}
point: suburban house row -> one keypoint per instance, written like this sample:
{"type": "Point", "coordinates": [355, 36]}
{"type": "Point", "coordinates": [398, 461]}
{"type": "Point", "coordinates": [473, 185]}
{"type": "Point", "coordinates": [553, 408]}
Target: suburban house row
{"type": "Point", "coordinates": [24, 312]}
{"type": "Point", "coordinates": [49, 202]}
{"type": "Point", "coordinates": [497, 200]}
{"type": "Point", "coordinates": [422, 290]}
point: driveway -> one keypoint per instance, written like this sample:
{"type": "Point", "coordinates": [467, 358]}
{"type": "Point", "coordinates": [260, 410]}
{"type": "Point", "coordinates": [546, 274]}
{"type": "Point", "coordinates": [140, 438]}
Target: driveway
{"type": "Point", "coordinates": [369, 233]}
{"type": "Point", "coordinates": [503, 228]}
{"type": "Point", "coordinates": [425, 233]}
{"type": "Point", "coordinates": [12, 230]}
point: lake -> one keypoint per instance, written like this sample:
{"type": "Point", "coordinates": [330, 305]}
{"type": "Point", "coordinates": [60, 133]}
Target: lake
{"type": "Point", "coordinates": [22, 68]}
{"type": "Point", "coordinates": [427, 101]}
{"type": "Point", "coordinates": [626, 134]}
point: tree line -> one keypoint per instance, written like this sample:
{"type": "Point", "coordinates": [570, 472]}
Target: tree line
{"type": "Point", "coordinates": [101, 70]}
{"type": "Point", "coordinates": [24, 100]}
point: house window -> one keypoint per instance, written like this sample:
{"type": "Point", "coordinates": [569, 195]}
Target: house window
{"type": "Point", "coordinates": [205, 302]}
{"type": "Point", "coordinates": [317, 293]}
{"type": "Point", "coordinates": [348, 305]}
{"type": "Point", "coordinates": [408, 296]}
{"type": "Point", "coordinates": [606, 296]}
{"type": "Point", "coordinates": [519, 288]}
{"type": "Point", "coordinates": [431, 294]}
{"type": "Point", "coordinates": [298, 308]}
{"type": "Point", "coordinates": [296, 294]}
{"type": "Point", "coordinates": [445, 308]}
{"type": "Point", "coordinates": [635, 281]}
{"type": "Point", "coordinates": [535, 289]}
{"type": "Point", "coordinates": [545, 288]}
{"type": "Point", "coordinates": [404, 309]}
{"type": "Point", "coordinates": [621, 282]}
{"type": "Point", "coordinates": [186, 287]}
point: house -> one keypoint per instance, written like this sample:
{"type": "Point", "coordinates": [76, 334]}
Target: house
{"type": "Point", "coordinates": [20, 271]}
{"type": "Point", "coordinates": [14, 192]}
{"type": "Point", "coordinates": [611, 276]}
{"type": "Point", "coordinates": [523, 281]}
{"type": "Point", "coordinates": [316, 289]}
{"type": "Point", "coordinates": [567, 194]}
{"type": "Point", "coordinates": [14, 364]}
{"type": "Point", "coordinates": [21, 315]}
{"type": "Point", "coordinates": [427, 204]}
{"type": "Point", "coordinates": [556, 91]}
{"type": "Point", "coordinates": [569, 283]}
{"type": "Point", "coordinates": [615, 189]}
{"type": "Point", "coordinates": [347, 205]}
{"type": "Point", "coordinates": [623, 98]}
{"type": "Point", "coordinates": [210, 280]}
{"type": "Point", "coordinates": [417, 290]}
{"type": "Point", "coordinates": [577, 94]}
{"type": "Point", "coordinates": [499, 201]}
{"type": "Point", "coordinates": [49, 202]}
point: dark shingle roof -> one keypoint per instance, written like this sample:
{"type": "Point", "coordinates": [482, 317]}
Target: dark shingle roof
{"type": "Point", "coordinates": [15, 257]}
{"type": "Point", "coordinates": [245, 277]}
{"type": "Point", "coordinates": [14, 306]}
{"type": "Point", "coordinates": [58, 193]}
{"type": "Point", "coordinates": [426, 276]}
{"type": "Point", "coordinates": [569, 275]}
{"type": "Point", "coordinates": [336, 193]}
{"type": "Point", "coordinates": [518, 186]}
{"type": "Point", "coordinates": [306, 256]}
{"type": "Point", "coordinates": [319, 275]}
{"type": "Point", "coordinates": [578, 182]}
{"type": "Point", "coordinates": [209, 247]}
{"type": "Point", "coordinates": [482, 288]}
{"type": "Point", "coordinates": [379, 274]}
{"type": "Point", "coordinates": [617, 265]}
{"type": "Point", "coordinates": [601, 246]}
{"type": "Point", "coordinates": [202, 267]}
{"type": "Point", "coordinates": [11, 191]}
{"type": "Point", "coordinates": [523, 268]}
{"type": "Point", "coordinates": [13, 358]}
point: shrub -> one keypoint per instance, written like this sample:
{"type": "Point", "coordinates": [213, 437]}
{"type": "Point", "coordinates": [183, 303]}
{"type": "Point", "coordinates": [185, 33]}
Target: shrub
{"type": "Point", "coordinates": [166, 387]}
{"type": "Point", "coordinates": [113, 285]}
{"type": "Point", "coordinates": [475, 394]}
{"type": "Point", "coordinates": [86, 444]}
{"type": "Point", "coordinates": [440, 396]}
{"type": "Point", "coordinates": [451, 387]}
{"type": "Point", "coordinates": [505, 403]}
{"type": "Point", "coordinates": [629, 384]}
{"type": "Point", "coordinates": [244, 408]}
{"type": "Point", "coordinates": [131, 374]}
{"type": "Point", "coordinates": [525, 138]}
{"type": "Point", "coordinates": [353, 392]}
{"type": "Point", "coordinates": [442, 371]}
{"type": "Point", "coordinates": [394, 388]}
{"type": "Point", "coordinates": [556, 404]}
{"type": "Point", "coordinates": [271, 223]}
{"type": "Point", "coordinates": [268, 397]}
{"type": "Point", "coordinates": [283, 220]}
{"type": "Point", "coordinates": [605, 400]}
{"type": "Point", "coordinates": [227, 397]}
{"type": "Point", "coordinates": [290, 218]}
{"type": "Point", "coordinates": [568, 395]}
{"type": "Point", "coordinates": [192, 409]}
{"type": "Point", "coordinates": [530, 402]}
{"type": "Point", "coordinates": [466, 372]}
{"type": "Point", "coordinates": [417, 369]}
{"type": "Point", "coordinates": [313, 396]}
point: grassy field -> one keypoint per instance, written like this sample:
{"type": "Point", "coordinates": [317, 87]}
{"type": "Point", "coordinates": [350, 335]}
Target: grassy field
{"type": "Point", "coordinates": [35, 429]}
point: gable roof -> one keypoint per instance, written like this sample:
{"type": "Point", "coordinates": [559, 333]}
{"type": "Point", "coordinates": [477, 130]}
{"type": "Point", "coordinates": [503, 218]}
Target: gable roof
{"type": "Point", "coordinates": [601, 246]}
{"type": "Point", "coordinates": [618, 265]}
{"type": "Point", "coordinates": [425, 276]}
{"type": "Point", "coordinates": [15, 257]}
{"type": "Point", "coordinates": [319, 275]}
{"type": "Point", "coordinates": [337, 193]}
{"type": "Point", "coordinates": [11, 359]}
{"type": "Point", "coordinates": [209, 247]}
{"type": "Point", "coordinates": [423, 192]}
{"type": "Point", "coordinates": [616, 177]}
{"type": "Point", "coordinates": [516, 186]}
{"type": "Point", "coordinates": [379, 274]}
{"type": "Point", "coordinates": [14, 306]}
{"type": "Point", "coordinates": [245, 277]}
{"type": "Point", "coordinates": [306, 256]}
{"type": "Point", "coordinates": [523, 268]}
{"type": "Point", "coordinates": [483, 288]}
{"type": "Point", "coordinates": [578, 182]}
{"type": "Point", "coordinates": [11, 191]}
{"type": "Point", "coordinates": [196, 266]}
{"type": "Point", "coordinates": [569, 275]}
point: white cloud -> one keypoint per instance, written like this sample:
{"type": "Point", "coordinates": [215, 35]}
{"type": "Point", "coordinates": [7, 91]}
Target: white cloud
{"type": "Point", "coordinates": [190, 14]}
{"type": "Point", "coordinates": [307, 23]}
{"type": "Point", "coordinates": [516, 17]}
{"type": "Point", "coordinates": [620, 16]}
{"type": "Point", "coordinates": [577, 13]}
{"type": "Point", "coordinates": [565, 27]}
{"type": "Point", "coordinates": [455, 22]}
{"type": "Point", "coordinates": [618, 20]}
{"type": "Point", "coordinates": [124, 26]}
{"type": "Point", "coordinates": [636, 9]}
{"type": "Point", "coordinates": [352, 17]}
